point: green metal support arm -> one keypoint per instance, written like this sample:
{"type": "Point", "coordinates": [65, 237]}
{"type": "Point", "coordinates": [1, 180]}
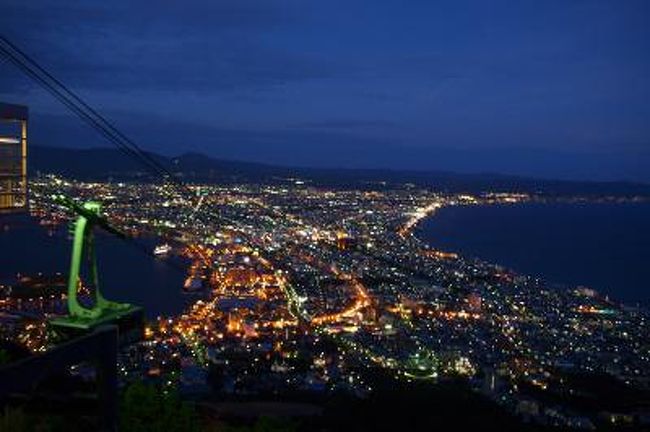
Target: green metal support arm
{"type": "Point", "coordinates": [84, 244]}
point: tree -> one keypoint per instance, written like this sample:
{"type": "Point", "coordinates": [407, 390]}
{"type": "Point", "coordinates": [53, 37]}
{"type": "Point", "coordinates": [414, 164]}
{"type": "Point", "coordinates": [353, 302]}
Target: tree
{"type": "Point", "coordinates": [146, 408]}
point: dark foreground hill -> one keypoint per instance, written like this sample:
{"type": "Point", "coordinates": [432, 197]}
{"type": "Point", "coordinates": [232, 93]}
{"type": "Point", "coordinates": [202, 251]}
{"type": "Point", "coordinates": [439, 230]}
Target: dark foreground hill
{"type": "Point", "coordinates": [107, 163]}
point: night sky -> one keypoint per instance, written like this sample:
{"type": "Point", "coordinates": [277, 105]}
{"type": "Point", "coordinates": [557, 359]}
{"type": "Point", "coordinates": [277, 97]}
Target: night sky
{"type": "Point", "coordinates": [543, 88]}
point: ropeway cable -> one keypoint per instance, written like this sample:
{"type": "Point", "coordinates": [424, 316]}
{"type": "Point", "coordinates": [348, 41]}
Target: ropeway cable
{"type": "Point", "coordinates": [94, 119]}
{"type": "Point", "coordinates": [85, 112]}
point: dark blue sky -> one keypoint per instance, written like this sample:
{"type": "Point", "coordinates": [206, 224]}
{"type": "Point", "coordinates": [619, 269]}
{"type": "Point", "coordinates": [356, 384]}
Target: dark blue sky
{"type": "Point", "coordinates": [545, 88]}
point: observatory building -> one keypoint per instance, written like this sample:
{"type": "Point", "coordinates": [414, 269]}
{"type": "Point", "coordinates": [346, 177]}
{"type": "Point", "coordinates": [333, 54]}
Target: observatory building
{"type": "Point", "coordinates": [13, 157]}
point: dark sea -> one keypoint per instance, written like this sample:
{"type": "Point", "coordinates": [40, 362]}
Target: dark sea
{"type": "Point", "coordinates": [126, 273]}
{"type": "Point", "coordinates": [602, 246]}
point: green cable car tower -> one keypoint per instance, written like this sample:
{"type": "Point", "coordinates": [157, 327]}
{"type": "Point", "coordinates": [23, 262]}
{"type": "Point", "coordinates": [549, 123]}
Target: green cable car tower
{"type": "Point", "coordinates": [101, 311]}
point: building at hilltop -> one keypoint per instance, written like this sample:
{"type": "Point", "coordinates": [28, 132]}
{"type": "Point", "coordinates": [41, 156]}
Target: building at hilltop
{"type": "Point", "coordinates": [13, 157]}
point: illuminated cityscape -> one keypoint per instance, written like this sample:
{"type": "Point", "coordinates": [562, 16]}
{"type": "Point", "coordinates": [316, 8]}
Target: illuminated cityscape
{"type": "Point", "coordinates": [286, 216]}
{"type": "Point", "coordinates": [296, 286]}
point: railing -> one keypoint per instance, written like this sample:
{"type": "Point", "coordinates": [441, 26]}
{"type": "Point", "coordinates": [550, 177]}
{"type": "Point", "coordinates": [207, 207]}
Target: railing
{"type": "Point", "coordinates": [99, 347]}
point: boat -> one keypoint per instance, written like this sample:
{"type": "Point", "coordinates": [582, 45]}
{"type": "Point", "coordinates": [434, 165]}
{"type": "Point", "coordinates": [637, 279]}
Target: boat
{"type": "Point", "coordinates": [162, 250]}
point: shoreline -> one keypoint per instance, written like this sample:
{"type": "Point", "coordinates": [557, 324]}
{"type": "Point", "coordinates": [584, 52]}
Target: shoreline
{"type": "Point", "coordinates": [509, 247]}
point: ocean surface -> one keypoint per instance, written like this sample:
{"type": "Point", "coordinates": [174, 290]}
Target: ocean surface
{"type": "Point", "coordinates": [126, 273]}
{"type": "Point", "coordinates": [602, 246]}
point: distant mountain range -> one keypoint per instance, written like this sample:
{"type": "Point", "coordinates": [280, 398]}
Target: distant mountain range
{"type": "Point", "coordinates": [108, 163]}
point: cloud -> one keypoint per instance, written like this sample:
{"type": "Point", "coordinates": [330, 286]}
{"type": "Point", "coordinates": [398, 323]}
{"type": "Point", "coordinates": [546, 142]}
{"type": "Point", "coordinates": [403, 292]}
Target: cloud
{"type": "Point", "coordinates": [173, 45]}
{"type": "Point", "coordinates": [337, 82]}
{"type": "Point", "coordinates": [348, 125]}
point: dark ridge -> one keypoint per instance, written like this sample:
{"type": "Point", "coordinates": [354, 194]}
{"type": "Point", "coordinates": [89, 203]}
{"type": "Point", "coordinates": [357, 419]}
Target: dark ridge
{"type": "Point", "coordinates": [105, 163]}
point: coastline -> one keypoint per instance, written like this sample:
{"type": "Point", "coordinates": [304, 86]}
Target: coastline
{"type": "Point", "coordinates": [553, 241]}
